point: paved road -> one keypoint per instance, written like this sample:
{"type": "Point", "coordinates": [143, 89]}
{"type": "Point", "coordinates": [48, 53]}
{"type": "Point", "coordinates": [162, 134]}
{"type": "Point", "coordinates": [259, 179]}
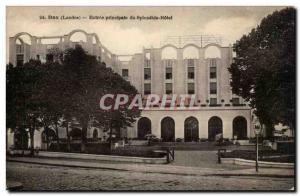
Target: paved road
{"type": "Point", "coordinates": [41, 177]}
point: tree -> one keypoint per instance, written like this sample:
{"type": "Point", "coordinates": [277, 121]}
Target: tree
{"type": "Point", "coordinates": [121, 117]}
{"type": "Point", "coordinates": [52, 107]}
{"type": "Point", "coordinates": [22, 97]}
{"type": "Point", "coordinates": [67, 86]}
{"type": "Point", "coordinates": [263, 71]}
{"type": "Point", "coordinates": [85, 81]}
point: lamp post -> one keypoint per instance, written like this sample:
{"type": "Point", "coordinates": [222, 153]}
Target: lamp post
{"type": "Point", "coordinates": [257, 129]}
{"type": "Point", "coordinates": [256, 159]}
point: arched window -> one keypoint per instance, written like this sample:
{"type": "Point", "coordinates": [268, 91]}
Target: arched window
{"type": "Point", "coordinates": [24, 39]}
{"type": "Point", "coordinates": [168, 129]}
{"type": "Point", "coordinates": [215, 127]}
{"type": "Point", "coordinates": [144, 127]}
{"type": "Point", "coordinates": [78, 37]}
{"type": "Point", "coordinates": [169, 53]}
{"type": "Point", "coordinates": [239, 125]}
{"type": "Point", "coordinates": [191, 129]}
{"type": "Point", "coordinates": [212, 52]}
{"type": "Point", "coordinates": [190, 52]}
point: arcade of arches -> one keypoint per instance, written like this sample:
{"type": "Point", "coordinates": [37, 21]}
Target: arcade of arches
{"type": "Point", "coordinates": [191, 128]}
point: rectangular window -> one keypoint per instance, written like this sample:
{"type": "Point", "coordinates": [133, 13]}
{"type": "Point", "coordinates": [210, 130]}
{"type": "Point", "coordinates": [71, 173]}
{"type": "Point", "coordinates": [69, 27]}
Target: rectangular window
{"type": "Point", "coordinates": [20, 59]}
{"type": "Point", "coordinates": [213, 88]}
{"type": "Point", "coordinates": [125, 73]}
{"type": "Point", "coordinates": [147, 63]}
{"type": "Point", "coordinates": [147, 73]}
{"type": "Point", "coordinates": [169, 63]}
{"type": "Point", "coordinates": [169, 88]}
{"type": "Point", "coordinates": [19, 48]}
{"type": "Point", "coordinates": [147, 89]}
{"type": "Point", "coordinates": [191, 88]}
{"type": "Point", "coordinates": [236, 101]}
{"type": "Point", "coordinates": [213, 62]}
{"type": "Point", "coordinates": [191, 72]}
{"type": "Point", "coordinates": [213, 72]}
{"type": "Point", "coordinates": [168, 73]}
{"type": "Point", "coordinates": [191, 63]}
{"type": "Point", "coordinates": [213, 101]}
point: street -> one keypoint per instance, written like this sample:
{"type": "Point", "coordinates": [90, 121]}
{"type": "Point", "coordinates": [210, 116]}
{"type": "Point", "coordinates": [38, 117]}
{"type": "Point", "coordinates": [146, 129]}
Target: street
{"type": "Point", "coordinates": [43, 177]}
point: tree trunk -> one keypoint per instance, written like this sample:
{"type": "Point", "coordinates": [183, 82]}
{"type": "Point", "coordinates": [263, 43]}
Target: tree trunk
{"type": "Point", "coordinates": [47, 137]}
{"type": "Point", "coordinates": [68, 138]}
{"type": "Point", "coordinates": [31, 133]}
{"type": "Point", "coordinates": [57, 137]}
{"type": "Point", "coordinates": [83, 137]}
{"type": "Point", "coordinates": [110, 135]}
{"type": "Point", "coordinates": [269, 131]}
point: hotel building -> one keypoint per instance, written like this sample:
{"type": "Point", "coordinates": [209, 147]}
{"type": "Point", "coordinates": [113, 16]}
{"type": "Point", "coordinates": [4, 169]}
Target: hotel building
{"type": "Point", "coordinates": [192, 65]}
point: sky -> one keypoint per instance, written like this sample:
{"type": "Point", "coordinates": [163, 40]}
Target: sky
{"type": "Point", "coordinates": [130, 36]}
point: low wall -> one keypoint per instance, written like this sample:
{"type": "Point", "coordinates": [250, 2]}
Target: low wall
{"type": "Point", "coordinates": [103, 157]}
{"type": "Point", "coordinates": [238, 161]}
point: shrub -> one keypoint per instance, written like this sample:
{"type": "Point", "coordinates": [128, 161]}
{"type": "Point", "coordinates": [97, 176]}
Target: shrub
{"type": "Point", "coordinates": [203, 139]}
{"type": "Point", "coordinates": [137, 152]}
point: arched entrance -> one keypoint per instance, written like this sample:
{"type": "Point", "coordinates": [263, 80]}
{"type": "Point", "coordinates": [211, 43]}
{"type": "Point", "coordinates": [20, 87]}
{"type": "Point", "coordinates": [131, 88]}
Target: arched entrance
{"type": "Point", "coordinates": [239, 125]}
{"type": "Point", "coordinates": [95, 134]}
{"type": "Point", "coordinates": [75, 134]}
{"type": "Point", "coordinates": [144, 127]}
{"type": "Point", "coordinates": [48, 135]}
{"type": "Point", "coordinates": [168, 129]}
{"type": "Point", "coordinates": [21, 139]}
{"type": "Point", "coordinates": [215, 127]}
{"type": "Point", "coordinates": [191, 129]}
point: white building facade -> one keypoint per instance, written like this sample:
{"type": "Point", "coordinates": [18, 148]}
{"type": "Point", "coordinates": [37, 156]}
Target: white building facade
{"type": "Point", "coordinates": [190, 68]}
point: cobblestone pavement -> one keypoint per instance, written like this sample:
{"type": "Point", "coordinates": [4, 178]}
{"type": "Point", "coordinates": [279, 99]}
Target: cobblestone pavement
{"type": "Point", "coordinates": [41, 177]}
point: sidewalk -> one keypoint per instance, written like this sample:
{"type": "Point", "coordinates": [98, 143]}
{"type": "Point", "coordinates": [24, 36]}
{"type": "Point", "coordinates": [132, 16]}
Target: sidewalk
{"type": "Point", "coordinates": [162, 168]}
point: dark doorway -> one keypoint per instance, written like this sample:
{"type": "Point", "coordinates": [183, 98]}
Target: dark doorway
{"type": "Point", "coordinates": [239, 126]}
{"type": "Point", "coordinates": [21, 139]}
{"type": "Point", "coordinates": [144, 127]}
{"type": "Point", "coordinates": [168, 130]}
{"type": "Point", "coordinates": [215, 127]}
{"type": "Point", "coordinates": [191, 130]}
{"type": "Point", "coordinates": [76, 134]}
{"type": "Point", "coordinates": [48, 135]}
{"type": "Point", "coordinates": [95, 134]}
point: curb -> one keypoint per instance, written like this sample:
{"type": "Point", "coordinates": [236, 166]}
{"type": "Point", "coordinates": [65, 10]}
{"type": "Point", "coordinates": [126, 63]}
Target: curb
{"type": "Point", "coordinates": [256, 175]}
{"type": "Point", "coordinates": [263, 164]}
{"type": "Point", "coordinates": [115, 158]}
